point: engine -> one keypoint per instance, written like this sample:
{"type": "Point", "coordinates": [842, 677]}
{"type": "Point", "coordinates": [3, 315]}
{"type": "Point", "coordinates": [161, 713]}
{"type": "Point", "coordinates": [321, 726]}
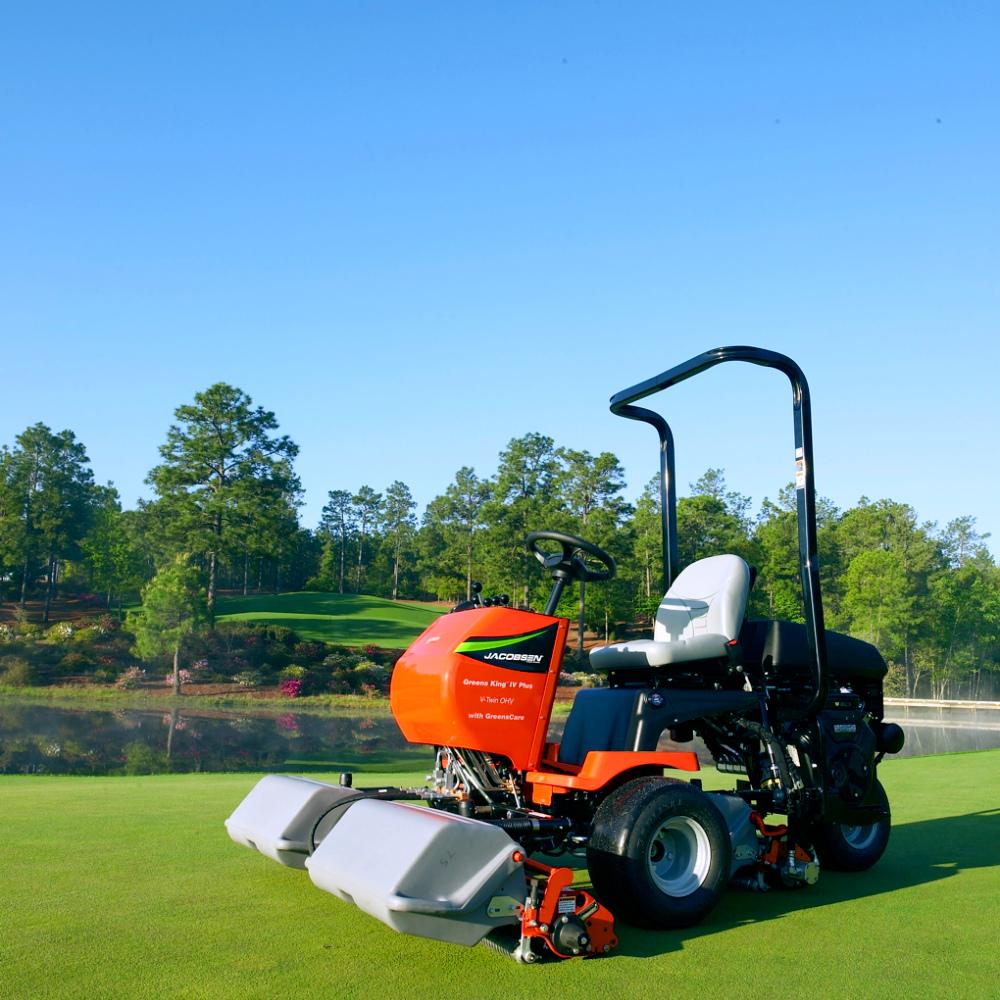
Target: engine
{"type": "Point", "coordinates": [836, 756]}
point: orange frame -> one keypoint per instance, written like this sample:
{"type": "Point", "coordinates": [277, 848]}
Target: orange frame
{"type": "Point", "coordinates": [448, 689]}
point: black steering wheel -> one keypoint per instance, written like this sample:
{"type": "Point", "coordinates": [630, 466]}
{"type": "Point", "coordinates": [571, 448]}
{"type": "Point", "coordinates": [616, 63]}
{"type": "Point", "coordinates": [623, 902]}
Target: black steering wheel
{"type": "Point", "coordinates": [569, 562]}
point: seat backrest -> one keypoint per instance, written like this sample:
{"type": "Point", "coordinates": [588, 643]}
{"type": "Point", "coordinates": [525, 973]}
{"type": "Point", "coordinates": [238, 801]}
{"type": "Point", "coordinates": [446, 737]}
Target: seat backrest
{"type": "Point", "coordinates": [708, 597]}
{"type": "Point", "coordinates": [600, 719]}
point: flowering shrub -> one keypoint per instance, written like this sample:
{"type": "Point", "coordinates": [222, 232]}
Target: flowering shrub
{"type": "Point", "coordinates": [87, 634]}
{"type": "Point", "coordinates": [16, 671]}
{"type": "Point", "coordinates": [293, 673]}
{"type": "Point", "coordinates": [61, 631]}
{"type": "Point", "coordinates": [342, 661]}
{"type": "Point", "coordinates": [309, 650]}
{"type": "Point", "coordinates": [75, 662]}
{"type": "Point", "coordinates": [248, 678]}
{"type": "Point", "coordinates": [132, 678]}
{"type": "Point", "coordinates": [290, 688]}
{"type": "Point", "coordinates": [279, 634]}
{"type": "Point", "coordinates": [200, 665]}
{"type": "Point", "coordinates": [107, 624]}
{"type": "Point", "coordinates": [6, 633]}
{"type": "Point", "coordinates": [237, 665]}
{"type": "Point", "coordinates": [185, 677]}
{"type": "Point", "coordinates": [363, 677]}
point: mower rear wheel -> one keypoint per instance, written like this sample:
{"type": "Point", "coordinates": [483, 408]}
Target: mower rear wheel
{"type": "Point", "coordinates": [847, 848]}
{"type": "Point", "coordinates": [660, 854]}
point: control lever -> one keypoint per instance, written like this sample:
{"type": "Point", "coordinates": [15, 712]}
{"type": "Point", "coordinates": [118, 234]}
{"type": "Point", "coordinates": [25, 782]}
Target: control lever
{"type": "Point", "coordinates": [473, 602]}
{"type": "Point", "coordinates": [478, 601]}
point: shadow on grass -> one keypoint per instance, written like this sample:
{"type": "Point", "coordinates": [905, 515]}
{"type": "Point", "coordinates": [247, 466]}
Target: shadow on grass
{"type": "Point", "coordinates": [345, 631]}
{"type": "Point", "coordinates": [918, 854]}
{"type": "Point", "coordinates": [385, 626]}
{"type": "Point", "coordinates": [303, 604]}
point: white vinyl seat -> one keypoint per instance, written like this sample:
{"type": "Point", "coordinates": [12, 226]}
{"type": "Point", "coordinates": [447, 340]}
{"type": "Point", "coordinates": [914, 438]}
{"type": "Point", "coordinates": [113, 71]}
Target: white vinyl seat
{"type": "Point", "coordinates": [700, 613]}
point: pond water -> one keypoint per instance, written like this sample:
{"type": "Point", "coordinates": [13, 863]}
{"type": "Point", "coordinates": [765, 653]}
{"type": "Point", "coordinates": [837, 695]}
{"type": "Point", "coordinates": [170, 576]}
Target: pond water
{"type": "Point", "coordinates": [40, 739]}
{"type": "Point", "coordinates": [946, 728]}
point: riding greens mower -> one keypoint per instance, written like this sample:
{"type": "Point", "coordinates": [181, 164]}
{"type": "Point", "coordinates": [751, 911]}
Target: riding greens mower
{"type": "Point", "coordinates": [792, 709]}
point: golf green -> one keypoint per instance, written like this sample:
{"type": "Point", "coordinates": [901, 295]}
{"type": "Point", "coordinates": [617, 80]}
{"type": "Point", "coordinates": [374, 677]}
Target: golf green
{"type": "Point", "coordinates": [130, 888]}
{"type": "Point", "coordinates": [346, 619]}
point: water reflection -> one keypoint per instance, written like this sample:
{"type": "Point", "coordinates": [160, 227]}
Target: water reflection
{"type": "Point", "coordinates": [946, 728]}
{"type": "Point", "coordinates": [40, 739]}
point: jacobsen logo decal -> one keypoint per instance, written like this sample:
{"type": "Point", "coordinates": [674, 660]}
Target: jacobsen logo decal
{"type": "Point", "coordinates": [530, 651]}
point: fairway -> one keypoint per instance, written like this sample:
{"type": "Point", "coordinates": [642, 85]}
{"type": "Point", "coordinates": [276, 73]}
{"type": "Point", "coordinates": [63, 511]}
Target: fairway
{"type": "Point", "coordinates": [342, 619]}
{"type": "Point", "coordinates": [129, 887]}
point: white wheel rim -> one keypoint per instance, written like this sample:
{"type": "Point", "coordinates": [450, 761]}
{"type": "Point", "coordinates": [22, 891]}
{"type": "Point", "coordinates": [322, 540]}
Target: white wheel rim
{"type": "Point", "coordinates": [679, 856]}
{"type": "Point", "coordinates": [859, 838]}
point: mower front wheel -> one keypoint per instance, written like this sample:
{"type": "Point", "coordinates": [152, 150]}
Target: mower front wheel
{"type": "Point", "coordinates": [846, 848]}
{"type": "Point", "coordinates": [660, 853]}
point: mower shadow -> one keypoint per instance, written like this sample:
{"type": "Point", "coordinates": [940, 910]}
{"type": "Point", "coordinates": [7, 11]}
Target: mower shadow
{"type": "Point", "coordinates": [918, 853]}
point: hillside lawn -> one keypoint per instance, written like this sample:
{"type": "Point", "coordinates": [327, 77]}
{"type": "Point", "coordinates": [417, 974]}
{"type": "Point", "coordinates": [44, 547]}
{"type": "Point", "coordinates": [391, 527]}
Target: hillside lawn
{"type": "Point", "coordinates": [341, 619]}
{"type": "Point", "coordinates": [130, 888]}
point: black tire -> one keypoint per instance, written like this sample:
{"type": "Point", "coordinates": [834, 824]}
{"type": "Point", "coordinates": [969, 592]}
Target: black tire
{"type": "Point", "coordinates": [660, 853]}
{"type": "Point", "coordinates": [847, 848]}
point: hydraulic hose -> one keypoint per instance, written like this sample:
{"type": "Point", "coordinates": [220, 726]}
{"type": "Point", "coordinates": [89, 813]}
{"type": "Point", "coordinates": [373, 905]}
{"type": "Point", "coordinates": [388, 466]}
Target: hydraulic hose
{"type": "Point", "coordinates": [533, 824]}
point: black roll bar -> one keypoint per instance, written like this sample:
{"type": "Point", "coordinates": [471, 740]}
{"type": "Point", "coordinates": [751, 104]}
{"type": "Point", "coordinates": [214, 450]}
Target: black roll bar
{"type": "Point", "coordinates": [805, 488]}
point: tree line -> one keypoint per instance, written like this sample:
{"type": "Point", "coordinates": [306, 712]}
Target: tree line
{"type": "Point", "coordinates": [225, 496]}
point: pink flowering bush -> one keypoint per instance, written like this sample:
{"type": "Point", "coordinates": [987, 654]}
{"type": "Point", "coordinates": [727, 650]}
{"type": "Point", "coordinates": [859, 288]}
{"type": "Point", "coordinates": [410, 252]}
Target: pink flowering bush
{"type": "Point", "coordinates": [291, 688]}
{"type": "Point", "coordinates": [132, 678]}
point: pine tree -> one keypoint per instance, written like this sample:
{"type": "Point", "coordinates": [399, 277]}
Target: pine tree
{"type": "Point", "coordinates": [338, 522]}
{"type": "Point", "coordinates": [46, 500]}
{"type": "Point", "coordinates": [399, 523]}
{"type": "Point", "coordinates": [172, 608]}
{"type": "Point", "coordinates": [367, 505]}
{"type": "Point", "coordinates": [222, 473]}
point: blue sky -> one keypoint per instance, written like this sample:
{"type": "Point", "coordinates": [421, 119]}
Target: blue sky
{"type": "Point", "coordinates": [415, 231]}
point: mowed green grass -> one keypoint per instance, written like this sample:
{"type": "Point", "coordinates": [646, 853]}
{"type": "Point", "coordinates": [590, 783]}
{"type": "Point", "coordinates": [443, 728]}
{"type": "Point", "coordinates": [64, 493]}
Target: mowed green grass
{"type": "Point", "coordinates": [345, 619]}
{"type": "Point", "coordinates": [130, 888]}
